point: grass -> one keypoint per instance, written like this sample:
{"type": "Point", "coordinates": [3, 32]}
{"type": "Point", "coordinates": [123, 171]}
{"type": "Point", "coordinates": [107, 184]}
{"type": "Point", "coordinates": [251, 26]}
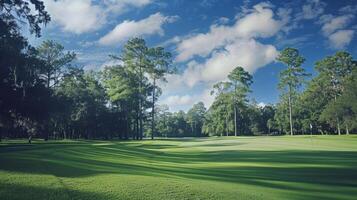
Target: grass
{"type": "Point", "coordinates": [299, 167]}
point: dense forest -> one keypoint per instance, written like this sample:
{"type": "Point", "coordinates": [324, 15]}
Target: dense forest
{"type": "Point", "coordinates": [44, 94]}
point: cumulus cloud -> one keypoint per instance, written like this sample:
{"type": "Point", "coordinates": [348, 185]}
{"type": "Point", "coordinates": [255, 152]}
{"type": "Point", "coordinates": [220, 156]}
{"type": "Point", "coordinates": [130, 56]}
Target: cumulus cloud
{"type": "Point", "coordinates": [148, 26]}
{"type": "Point", "coordinates": [177, 100]}
{"type": "Point", "coordinates": [333, 24]}
{"type": "Point", "coordinates": [223, 20]}
{"type": "Point", "coordinates": [118, 6]}
{"type": "Point", "coordinates": [80, 16]}
{"type": "Point", "coordinates": [249, 54]}
{"type": "Point", "coordinates": [341, 38]}
{"type": "Point", "coordinates": [75, 16]}
{"type": "Point", "coordinates": [335, 28]}
{"type": "Point", "coordinates": [226, 47]}
{"type": "Point", "coordinates": [258, 22]}
{"type": "Point", "coordinates": [311, 9]}
{"type": "Point", "coordinates": [221, 49]}
{"type": "Point", "coordinates": [184, 102]}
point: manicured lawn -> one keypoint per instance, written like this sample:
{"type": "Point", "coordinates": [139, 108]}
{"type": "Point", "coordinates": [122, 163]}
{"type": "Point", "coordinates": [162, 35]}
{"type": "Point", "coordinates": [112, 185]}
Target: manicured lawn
{"type": "Point", "coordinates": [299, 167]}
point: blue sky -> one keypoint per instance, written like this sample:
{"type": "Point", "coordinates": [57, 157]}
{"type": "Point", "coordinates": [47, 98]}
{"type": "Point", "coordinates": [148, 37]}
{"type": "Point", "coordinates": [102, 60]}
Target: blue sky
{"type": "Point", "coordinates": [207, 38]}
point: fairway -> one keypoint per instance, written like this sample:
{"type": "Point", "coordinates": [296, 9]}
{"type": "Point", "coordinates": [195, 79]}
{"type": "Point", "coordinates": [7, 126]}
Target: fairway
{"type": "Point", "coordinates": [299, 167]}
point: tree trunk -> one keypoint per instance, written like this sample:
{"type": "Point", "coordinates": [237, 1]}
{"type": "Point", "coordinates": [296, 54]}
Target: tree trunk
{"type": "Point", "coordinates": [227, 126]}
{"type": "Point", "coordinates": [46, 136]}
{"type": "Point", "coordinates": [127, 127]}
{"type": "Point", "coordinates": [140, 101]}
{"type": "Point", "coordinates": [48, 79]}
{"type": "Point", "coordinates": [153, 112]}
{"type": "Point", "coordinates": [30, 139]}
{"type": "Point", "coordinates": [235, 120]}
{"type": "Point", "coordinates": [137, 132]}
{"type": "Point", "coordinates": [141, 127]}
{"type": "Point", "coordinates": [338, 127]}
{"type": "Point", "coordinates": [337, 120]}
{"type": "Point", "coordinates": [347, 130]}
{"type": "Point", "coordinates": [290, 113]}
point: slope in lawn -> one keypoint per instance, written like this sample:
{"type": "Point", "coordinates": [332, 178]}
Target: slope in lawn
{"type": "Point", "coordinates": [323, 167]}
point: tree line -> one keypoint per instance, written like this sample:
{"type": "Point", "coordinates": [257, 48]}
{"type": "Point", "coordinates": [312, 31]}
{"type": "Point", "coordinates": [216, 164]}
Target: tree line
{"type": "Point", "coordinates": [43, 93]}
{"type": "Point", "coordinates": [326, 104]}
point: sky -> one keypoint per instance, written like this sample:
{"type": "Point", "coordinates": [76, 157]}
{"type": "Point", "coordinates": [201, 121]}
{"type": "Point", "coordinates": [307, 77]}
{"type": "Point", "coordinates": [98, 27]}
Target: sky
{"type": "Point", "coordinates": [207, 38]}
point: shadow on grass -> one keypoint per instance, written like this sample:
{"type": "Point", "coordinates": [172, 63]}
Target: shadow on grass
{"type": "Point", "coordinates": [23, 192]}
{"type": "Point", "coordinates": [271, 169]}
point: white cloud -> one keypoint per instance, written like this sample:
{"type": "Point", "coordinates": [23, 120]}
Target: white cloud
{"type": "Point", "coordinates": [120, 5]}
{"type": "Point", "coordinates": [80, 16]}
{"type": "Point", "coordinates": [261, 105]}
{"type": "Point", "coordinates": [247, 53]}
{"type": "Point", "coordinates": [221, 49]}
{"type": "Point", "coordinates": [226, 47]}
{"type": "Point", "coordinates": [148, 26]}
{"type": "Point", "coordinates": [312, 9]}
{"type": "Point", "coordinates": [336, 23]}
{"type": "Point", "coordinates": [100, 67]}
{"type": "Point", "coordinates": [185, 102]}
{"type": "Point", "coordinates": [177, 100]}
{"type": "Point", "coordinates": [77, 16]}
{"type": "Point", "coordinates": [348, 9]}
{"type": "Point", "coordinates": [258, 22]}
{"type": "Point", "coordinates": [223, 20]}
{"type": "Point", "coordinates": [296, 42]}
{"type": "Point", "coordinates": [336, 28]}
{"type": "Point", "coordinates": [341, 38]}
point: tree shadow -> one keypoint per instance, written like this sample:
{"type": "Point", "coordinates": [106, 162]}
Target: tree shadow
{"type": "Point", "coordinates": [22, 192]}
{"type": "Point", "coordinates": [271, 169]}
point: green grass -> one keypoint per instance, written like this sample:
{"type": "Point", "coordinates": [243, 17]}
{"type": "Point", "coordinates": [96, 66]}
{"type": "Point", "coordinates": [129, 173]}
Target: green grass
{"type": "Point", "coordinates": [299, 167]}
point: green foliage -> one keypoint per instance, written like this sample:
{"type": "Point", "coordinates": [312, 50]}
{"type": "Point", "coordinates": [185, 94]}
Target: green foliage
{"type": "Point", "coordinates": [318, 103]}
{"type": "Point", "coordinates": [24, 99]}
{"type": "Point", "coordinates": [345, 106]}
{"type": "Point", "coordinates": [291, 80]}
{"type": "Point", "coordinates": [230, 105]}
{"type": "Point", "coordinates": [20, 11]}
{"type": "Point", "coordinates": [196, 117]}
{"type": "Point", "coordinates": [44, 95]}
{"type": "Point", "coordinates": [56, 61]}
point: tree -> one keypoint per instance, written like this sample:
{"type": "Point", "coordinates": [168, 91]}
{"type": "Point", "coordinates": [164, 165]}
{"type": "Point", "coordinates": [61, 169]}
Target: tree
{"type": "Point", "coordinates": [229, 96]}
{"type": "Point", "coordinates": [344, 108]}
{"type": "Point", "coordinates": [160, 61]}
{"type": "Point", "coordinates": [19, 68]}
{"type": "Point", "coordinates": [122, 89]}
{"type": "Point", "coordinates": [196, 117]}
{"type": "Point", "coordinates": [333, 70]}
{"type": "Point", "coordinates": [162, 115]}
{"type": "Point", "coordinates": [260, 119]}
{"type": "Point", "coordinates": [311, 104]}
{"type": "Point", "coordinates": [136, 58]}
{"type": "Point", "coordinates": [240, 80]}
{"type": "Point", "coordinates": [20, 11]}
{"type": "Point", "coordinates": [85, 99]}
{"type": "Point", "coordinates": [219, 113]}
{"type": "Point", "coordinates": [292, 77]}
{"type": "Point", "coordinates": [56, 61]}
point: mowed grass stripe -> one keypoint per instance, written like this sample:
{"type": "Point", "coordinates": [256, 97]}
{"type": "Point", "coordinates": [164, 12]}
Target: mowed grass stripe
{"type": "Point", "coordinates": [299, 167]}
